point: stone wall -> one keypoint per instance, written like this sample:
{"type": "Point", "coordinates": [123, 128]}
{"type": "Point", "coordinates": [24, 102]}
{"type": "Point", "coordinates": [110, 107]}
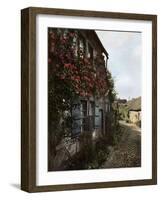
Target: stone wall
{"type": "Point", "coordinates": [134, 116]}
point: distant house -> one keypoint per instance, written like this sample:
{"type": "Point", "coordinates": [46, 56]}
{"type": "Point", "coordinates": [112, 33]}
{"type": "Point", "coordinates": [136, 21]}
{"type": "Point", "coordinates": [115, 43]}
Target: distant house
{"type": "Point", "coordinates": [134, 107]}
{"type": "Point", "coordinates": [121, 101]}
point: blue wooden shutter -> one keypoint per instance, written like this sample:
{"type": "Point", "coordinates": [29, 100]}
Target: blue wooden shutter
{"type": "Point", "coordinates": [76, 116]}
{"type": "Point", "coordinates": [97, 117]}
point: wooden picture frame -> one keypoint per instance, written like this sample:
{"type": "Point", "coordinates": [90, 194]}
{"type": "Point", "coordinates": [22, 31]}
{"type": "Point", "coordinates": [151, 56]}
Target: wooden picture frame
{"type": "Point", "coordinates": [28, 98]}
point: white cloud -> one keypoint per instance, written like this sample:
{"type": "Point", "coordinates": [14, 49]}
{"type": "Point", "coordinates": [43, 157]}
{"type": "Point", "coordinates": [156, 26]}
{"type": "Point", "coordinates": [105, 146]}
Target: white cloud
{"type": "Point", "coordinates": [124, 50]}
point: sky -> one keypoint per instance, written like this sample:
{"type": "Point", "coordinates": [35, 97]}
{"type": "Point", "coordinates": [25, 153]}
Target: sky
{"type": "Point", "coordinates": [124, 63]}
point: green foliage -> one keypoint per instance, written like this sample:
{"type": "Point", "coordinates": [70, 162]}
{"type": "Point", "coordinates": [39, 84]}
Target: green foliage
{"type": "Point", "coordinates": [123, 112]}
{"type": "Point", "coordinates": [92, 154]}
{"type": "Point", "coordinates": [111, 87]}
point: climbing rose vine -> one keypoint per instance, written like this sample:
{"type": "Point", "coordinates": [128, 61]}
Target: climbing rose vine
{"type": "Point", "coordinates": [71, 74]}
{"type": "Point", "coordinates": [69, 67]}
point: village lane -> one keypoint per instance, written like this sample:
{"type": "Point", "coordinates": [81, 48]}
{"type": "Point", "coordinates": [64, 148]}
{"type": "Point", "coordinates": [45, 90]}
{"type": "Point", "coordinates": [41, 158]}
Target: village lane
{"type": "Point", "coordinates": [127, 153]}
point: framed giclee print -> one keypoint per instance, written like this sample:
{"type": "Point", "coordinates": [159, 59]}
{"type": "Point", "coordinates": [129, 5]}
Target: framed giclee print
{"type": "Point", "coordinates": [89, 99]}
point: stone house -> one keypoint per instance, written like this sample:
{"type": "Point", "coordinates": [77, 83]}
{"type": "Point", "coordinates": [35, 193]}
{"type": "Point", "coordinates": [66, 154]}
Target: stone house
{"type": "Point", "coordinates": [135, 116]}
{"type": "Point", "coordinates": [89, 113]}
{"type": "Point", "coordinates": [135, 110]}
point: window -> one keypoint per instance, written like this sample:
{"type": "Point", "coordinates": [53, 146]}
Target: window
{"type": "Point", "coordinates": [90, 52]}
{"type": "Point", "coordinates": [84, 108]}
{"type": "Point", "coordinates": [84, 116]}
{"type": "Point", "coordinates": [75, 46]}
{"type": "Point", "coordinates": [88, 115]}
{"type": "Point", "coordinates": [82, 46]}
{"type": "Point", "coordinates": [65, 32]}
{"type": "Point", "coordinates": [92, 115]}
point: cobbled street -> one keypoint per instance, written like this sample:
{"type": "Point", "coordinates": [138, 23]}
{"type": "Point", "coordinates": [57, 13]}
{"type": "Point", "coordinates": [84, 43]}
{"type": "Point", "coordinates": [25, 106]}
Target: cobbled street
{"type": "Point", "coordinates": [128, 151]}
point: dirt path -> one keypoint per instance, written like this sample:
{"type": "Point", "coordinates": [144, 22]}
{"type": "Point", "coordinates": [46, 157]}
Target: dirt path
{"type": "Point", "coordinates": [128, 152]}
